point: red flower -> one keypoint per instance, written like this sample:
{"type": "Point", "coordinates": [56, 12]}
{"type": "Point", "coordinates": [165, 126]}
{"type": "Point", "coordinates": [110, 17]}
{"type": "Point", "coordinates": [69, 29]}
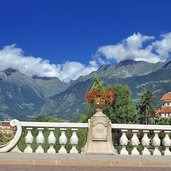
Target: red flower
{"type": "Point", "coordinates": [100, 98]}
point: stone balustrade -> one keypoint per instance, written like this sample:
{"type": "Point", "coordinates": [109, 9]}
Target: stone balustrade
{"type": "Point", "coordinates": [153, 139]}
{"type": "Point", "coordinates": [128, 139]}
{"type": "Point", "coordinates": [26, 130]}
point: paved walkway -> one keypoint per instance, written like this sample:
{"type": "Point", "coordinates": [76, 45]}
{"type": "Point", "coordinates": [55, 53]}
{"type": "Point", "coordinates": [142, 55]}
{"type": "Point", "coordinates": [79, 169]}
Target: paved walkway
{"type": "Point", "coordinates": [84, 160]}
{"type": "Point", "coordinates": [76, 168]}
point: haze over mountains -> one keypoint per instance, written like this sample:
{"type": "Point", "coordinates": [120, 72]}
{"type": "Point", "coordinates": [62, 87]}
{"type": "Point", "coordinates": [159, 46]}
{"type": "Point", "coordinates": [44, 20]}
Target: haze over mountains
{"type": "Point", "coordinates": [22, 96]}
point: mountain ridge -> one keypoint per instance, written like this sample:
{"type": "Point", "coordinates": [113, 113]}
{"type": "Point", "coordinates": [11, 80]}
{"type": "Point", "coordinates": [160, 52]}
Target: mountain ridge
{"type": "Point", "coordinates": [22, 95]}
{"type": "Point", "coordinates": [66, 103]}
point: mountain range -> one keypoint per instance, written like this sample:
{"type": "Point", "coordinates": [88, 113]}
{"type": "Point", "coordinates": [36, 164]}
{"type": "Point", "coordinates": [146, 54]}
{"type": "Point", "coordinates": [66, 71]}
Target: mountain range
{"type": "Point", "coordinates": [22, 96]}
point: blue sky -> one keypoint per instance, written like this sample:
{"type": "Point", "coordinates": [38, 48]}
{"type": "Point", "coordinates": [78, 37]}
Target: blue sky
{"type": "Point", "coordinates": [78, 36]}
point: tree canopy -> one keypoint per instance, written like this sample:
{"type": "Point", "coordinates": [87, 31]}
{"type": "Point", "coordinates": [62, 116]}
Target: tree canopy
{"type": "Point", "coordinates": [46, 118]}
{"type": "Point", "coordinates": [122, 109]}
{"type": "Point", "coordinates": [146, 112]}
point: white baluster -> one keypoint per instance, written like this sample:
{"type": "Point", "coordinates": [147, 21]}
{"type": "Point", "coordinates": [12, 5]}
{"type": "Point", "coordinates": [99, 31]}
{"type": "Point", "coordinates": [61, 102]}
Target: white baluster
{"type": "Point", "coordinates": [51, 141]}
{"type": "Point", "coordinates": [156, 143]}
{"type": "Point", "coordinates": [145, 142]}
{"type": "Point", "coordinates": [123, 142]}
{"type": "Point", "coordinates": [167, 143]}
{"type": "Point", "coordinates": [74, 142]}
{"type": "Point", "coordinates": [62, 141]}
{"type": "Point", "coordinates": [29, 141]}
{"type": "Point", "coordinates": [135, 142]}
{"type": "Point", "coordinates": [40, 140]}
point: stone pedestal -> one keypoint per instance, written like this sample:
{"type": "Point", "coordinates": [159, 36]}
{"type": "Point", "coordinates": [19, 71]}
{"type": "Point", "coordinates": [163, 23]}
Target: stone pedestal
{"type": "Point", "coordinates": [99, 138]}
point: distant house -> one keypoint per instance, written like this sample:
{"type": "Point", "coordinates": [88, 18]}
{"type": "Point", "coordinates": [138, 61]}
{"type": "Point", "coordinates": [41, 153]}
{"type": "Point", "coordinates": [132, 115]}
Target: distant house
{"type": "Point", "coordinates": [165, 110]}
{"type": "Point", "coordinates": [5, 128]}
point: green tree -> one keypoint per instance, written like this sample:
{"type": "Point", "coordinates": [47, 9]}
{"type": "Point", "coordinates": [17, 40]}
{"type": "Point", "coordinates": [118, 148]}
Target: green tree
{"type": "Point", "coordinates": [146, 112]}
{"type": "Point", "coordinates": [123, 110]}
{"type": "Point", "coordinates": [46, 118]}
{"type": "Point", "coordinates": [83, 118]}
{"type": "Point", "coordinates": [163, 121]}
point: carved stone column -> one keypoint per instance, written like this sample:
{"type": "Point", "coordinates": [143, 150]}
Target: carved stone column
{"type": "Point", "coordinates": [99, 138]}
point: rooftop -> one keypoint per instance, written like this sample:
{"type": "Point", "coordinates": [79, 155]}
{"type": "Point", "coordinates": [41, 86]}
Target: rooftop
{"type": "Point", "coordinates": [164, 109]}
{"type": "Point", "coordinates": [166, 97]}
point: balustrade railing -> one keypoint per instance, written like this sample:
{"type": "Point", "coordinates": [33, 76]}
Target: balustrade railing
{"type": "Point", "coordinates": [49, 137]}
{"type": "Point", "coordinates": [137, 139]}
{"type": "Point", "coordinates": [46, 137]}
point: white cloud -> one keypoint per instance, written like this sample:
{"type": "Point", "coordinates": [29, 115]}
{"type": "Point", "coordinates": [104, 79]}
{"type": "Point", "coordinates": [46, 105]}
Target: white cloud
{"type": "Point", "coordinates": [72, 70]}
{"type": "Point", "coordinates": [163, 47]}
{"type": "Point", "coordinates": [138, 47]}
{"type": "Point", "coordinates": [13, 57]}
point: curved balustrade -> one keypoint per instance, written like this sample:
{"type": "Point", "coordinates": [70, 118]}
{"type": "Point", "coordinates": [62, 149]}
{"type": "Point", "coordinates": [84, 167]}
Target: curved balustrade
{"type": "Point", "coordinates": [34, 132]}
{"type": "Point", "coordinates": [129, 139]}
{"type": "Point", "coordinates": [11, 144]}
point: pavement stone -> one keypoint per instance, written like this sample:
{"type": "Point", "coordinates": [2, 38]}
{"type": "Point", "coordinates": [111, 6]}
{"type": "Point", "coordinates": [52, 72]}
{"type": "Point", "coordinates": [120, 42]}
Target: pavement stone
{"type": "Point", "coordinates": [84, 160]}
{"type": "Point", "coordinates": [76, 168]}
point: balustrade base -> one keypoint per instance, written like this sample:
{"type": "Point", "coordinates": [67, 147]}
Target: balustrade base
{"type": "Point", "coordinates": [99, 138]}
{"type": "Point", "coordinates": [16, 150]}
{"type": "Point", "coordinates": [99, 148]}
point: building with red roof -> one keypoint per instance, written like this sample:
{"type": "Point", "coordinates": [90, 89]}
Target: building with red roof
{"type": "Point", "coordinates": [165, 110]}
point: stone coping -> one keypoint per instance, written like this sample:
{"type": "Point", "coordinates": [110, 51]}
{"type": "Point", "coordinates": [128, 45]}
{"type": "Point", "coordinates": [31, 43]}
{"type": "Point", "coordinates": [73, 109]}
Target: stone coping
{"type": "Point", "coordinates": [84, 160]}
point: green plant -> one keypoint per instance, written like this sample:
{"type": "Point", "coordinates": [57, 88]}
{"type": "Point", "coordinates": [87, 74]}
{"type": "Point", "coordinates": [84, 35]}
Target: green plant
{"type": "Point", "coordinates": [99, 95]}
